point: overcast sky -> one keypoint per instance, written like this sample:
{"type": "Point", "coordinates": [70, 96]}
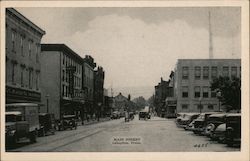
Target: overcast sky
{"type": "Point", "coordinates": [137, 46]}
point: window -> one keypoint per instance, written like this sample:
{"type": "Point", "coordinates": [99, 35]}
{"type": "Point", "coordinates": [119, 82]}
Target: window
{"type": "Point", "coordinates": [240, 72]}
{"type": "Point", "coordinates": [213, 94]}
{"type": "Point", "coordinates": [22, 72]}
{"type": "Point", "coordinates": [205, 72]}
{"type": "Point", "coordinates": [13, 40]}
{"type": "Point", "coordinates": [63, 76]}
{"type": "Point", "coordinates": [37, 52]}
{"type": "Point", "coordinates": [184, 106]}
{"type": "Point", "coordinates": [197, 92]}
{"type": "Point", "coordinates": [225, 72]}
{"type": "Point", "coordinates": [63, 90]}
{"type": "Point", "coordinates": [63, 59]}
{"type": "Point", "coordinates": [184, 92]}
{"type": "Point", "coordinates": [185, 73]}
{"type": "Point", "coordinates": [197, 72]}
{"type": "Point", "coordinates": [205, 92]}
{"type": "Point", "coordinates": [210, 107]}
{"type": "Point", "coordinates": [37, 80]}
{"type": "Point", "coordinates": [13, 72]}
{"type": "Point", "coordinates": [21, 44]}
{"type": "Point", "coordinates": [233, 71]}
{"type": "Point", "coordinates": [29, 48]}
{"type": "Point", "coordinates": [30, 78]}
{"type": "Point", "coordinates": [214, 72]}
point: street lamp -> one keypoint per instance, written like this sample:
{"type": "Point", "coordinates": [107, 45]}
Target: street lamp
{"type": "Point", "coordinates": [47, 96]}
{"type": "Point", "coordinates": [218, 94]}
{"type": "Point", "coordinates": [200, 106]}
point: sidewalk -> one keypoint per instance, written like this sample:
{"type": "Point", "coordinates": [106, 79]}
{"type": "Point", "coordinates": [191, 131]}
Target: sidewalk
{"type": "Point", "coordinates": [79, 123]}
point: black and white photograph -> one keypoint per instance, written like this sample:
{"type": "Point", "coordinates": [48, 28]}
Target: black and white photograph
{"type": "Point", "coordinates": [123, 79]}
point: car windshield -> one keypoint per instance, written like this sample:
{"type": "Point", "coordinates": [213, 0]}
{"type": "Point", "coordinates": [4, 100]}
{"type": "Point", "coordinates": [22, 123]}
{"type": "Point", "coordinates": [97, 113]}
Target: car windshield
{"type": "Point", "coordinates": [13, 118]}
{"type": "Point", "coordinates": [201, 117]}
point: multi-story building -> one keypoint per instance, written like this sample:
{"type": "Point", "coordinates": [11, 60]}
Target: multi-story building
{"type": "Point", "coordinates": [99, 91]}
{"type": "Point", "coordinates": [192, 82]}
{"type": "Point", "coordinates": [162, 91]}
{"type": "Point", "coordinates": [88, 66]}
{"type": "Point", "coordinates": [62, 91]}
{"type": "Point", "coordinates": [23, 64]}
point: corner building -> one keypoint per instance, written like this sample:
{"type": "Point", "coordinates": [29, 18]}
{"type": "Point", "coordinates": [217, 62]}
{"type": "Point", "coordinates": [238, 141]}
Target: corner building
{"type": "Point", "coordinates": [23, 65]}
{"type": "Point", "coordinates": [192, 82]}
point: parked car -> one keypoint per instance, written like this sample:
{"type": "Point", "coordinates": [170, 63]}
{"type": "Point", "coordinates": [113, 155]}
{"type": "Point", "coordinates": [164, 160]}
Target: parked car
{"type": "Point", "coordinates": [213, 121]}
{"type": "Point", "coordinates": [179, 117]}
{"type": "Point", "coordinates": [68, 122]}
{"type": "Point", "coordinates": [47, 124]}
{"type": "Point", "coordinates": [115, 115]}
{"type": "Point", "coordinates": [219, 133]}
{"type": "Point", "coordinates": [233, 129]}
{"type": "Point", "coordinates": [201, 122]}
{"type": "Point", "coordinates": [187, 119]}
{"type": "Point", "coordinates": [21, 122]}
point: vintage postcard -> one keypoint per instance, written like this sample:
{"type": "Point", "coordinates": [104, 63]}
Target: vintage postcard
{"type": "Point", "coordinates": [124, 80]}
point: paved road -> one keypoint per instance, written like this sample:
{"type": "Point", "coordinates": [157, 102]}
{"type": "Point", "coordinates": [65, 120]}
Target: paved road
{"type": "Point", "coordinates": [154, 135]}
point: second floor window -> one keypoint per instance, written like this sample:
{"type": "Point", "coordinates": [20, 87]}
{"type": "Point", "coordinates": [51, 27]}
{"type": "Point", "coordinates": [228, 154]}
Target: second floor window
{"type": "Point", "coordinates": [21, 45]}
{"type": "Point", "coordinates": [205, 92]}
{"type": "Point", "coordinates": [184, 92]}
{"type": "Point", "coordinates": [185, 73]}
{"type": "Point", "coordinates": [197, 91]}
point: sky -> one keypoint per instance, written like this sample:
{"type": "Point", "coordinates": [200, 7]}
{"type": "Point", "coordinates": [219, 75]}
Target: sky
{"type": "Point", "coordinates": [138, 46]}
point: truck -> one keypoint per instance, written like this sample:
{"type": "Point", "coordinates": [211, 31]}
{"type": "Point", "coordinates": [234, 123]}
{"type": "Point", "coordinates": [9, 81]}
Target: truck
{"type": "Point", "coordinates": [21, 121]}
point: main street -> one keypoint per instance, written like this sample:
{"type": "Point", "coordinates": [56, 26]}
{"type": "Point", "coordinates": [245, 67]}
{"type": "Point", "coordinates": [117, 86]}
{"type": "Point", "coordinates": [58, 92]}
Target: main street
{"type": "Point", "coordinates": [154, 135]}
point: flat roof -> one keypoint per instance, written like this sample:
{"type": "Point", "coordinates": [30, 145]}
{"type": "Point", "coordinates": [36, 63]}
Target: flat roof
{"type": "Point", "coordinates": [60, 47]}
{"type": "Point", "coordinates": [26, 20]}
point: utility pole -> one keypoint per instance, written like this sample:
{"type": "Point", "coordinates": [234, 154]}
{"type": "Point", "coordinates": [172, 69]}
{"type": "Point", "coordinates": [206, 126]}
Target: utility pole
{"type": "Point", "coordinates": [210, 36]}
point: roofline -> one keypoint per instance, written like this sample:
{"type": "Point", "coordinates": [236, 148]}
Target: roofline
{"type": "Point", "coordinates": [26, 20]}
{"type": "Point", "coordinates": [59, 47]}
{"type": "Point", "coordinates": [206, 59]}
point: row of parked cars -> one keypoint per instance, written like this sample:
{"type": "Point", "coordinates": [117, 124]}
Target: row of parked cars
{"type": "Point", "coordinates": [219, 126]}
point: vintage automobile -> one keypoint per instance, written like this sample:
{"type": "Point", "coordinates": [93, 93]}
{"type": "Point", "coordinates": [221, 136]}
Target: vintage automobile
{"type": "Point", "coordinates": [21, 122]}
{"type": "Point", "coordinates": [219, 133]}
{"type": "Point", "coordinates": [143, 115]}
{"type": "Point", "coordinates": [68, 122]}
{"type": "Point", "coordinates": [201, 122]}
{"type": "Point", "coordinates": [47, 124]}
{"type": "Point", "coordinates": [213, 121]}
{"type": "Point", "coordinates": [233, 129]}
{"type": "Point", "coordinates": [131, 115]}
{"type": "Point", "coordinates": [187, 119]}
{"type": "Point", "coordinates": [115, 115]}
{"type": "Point", "coordinates": [179, 117]}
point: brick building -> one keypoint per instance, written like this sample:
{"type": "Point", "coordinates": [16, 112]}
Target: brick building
{"type": "Point", "coordinates": [23, 64]}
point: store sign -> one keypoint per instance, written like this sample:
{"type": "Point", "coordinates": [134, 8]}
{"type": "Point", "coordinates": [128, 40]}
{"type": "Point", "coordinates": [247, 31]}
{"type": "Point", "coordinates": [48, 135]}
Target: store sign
{"type": "Point", "coordinates": [22, 94]}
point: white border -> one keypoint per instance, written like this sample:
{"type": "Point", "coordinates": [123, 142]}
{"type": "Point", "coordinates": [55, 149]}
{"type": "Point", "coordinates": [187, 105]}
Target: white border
{"type": "Point", "coordinates": [148, 156]}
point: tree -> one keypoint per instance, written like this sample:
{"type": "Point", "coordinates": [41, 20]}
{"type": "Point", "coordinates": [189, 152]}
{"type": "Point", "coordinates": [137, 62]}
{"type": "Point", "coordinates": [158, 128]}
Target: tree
{"type": "Point", "coordinates": [230, 91]}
